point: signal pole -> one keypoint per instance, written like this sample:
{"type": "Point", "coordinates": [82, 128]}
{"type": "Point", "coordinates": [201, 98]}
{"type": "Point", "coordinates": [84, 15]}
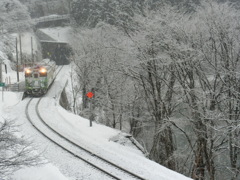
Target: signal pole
{"type": "Point", "coordinates": [90, 96]}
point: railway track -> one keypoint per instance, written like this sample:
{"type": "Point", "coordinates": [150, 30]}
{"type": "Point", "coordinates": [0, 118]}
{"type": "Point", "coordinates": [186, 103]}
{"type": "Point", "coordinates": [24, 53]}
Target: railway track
{"type": "Point", "coordinates": [108, 168]}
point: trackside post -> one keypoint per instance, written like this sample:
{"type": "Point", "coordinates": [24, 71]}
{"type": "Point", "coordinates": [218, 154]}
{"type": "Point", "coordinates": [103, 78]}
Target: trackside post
{"type": "Point", "coordinates": [90, 96]}
{"type": "Point", "coordinates": [2, 85]}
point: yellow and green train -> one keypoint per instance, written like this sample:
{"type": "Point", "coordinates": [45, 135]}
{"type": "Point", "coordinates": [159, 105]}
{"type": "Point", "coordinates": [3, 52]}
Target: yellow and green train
{"type": "Point", "coordinates": [39, 77]}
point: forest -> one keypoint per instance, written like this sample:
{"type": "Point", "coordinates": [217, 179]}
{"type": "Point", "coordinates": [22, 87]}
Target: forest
{"type": "Point", "coordinates": [167, 73]}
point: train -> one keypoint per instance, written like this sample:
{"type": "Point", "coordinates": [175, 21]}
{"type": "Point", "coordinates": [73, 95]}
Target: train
{"type": "Point", "coordinates": [39, 77]}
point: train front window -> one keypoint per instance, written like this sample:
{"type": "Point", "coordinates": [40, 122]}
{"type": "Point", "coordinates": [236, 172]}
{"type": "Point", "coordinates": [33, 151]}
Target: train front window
{"type": "Point", "coordinates": [35, 75]}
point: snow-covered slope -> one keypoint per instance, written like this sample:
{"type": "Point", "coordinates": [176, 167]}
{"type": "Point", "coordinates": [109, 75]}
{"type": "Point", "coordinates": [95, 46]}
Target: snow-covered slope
{"type": "Point", "coordinates": [96, 138]}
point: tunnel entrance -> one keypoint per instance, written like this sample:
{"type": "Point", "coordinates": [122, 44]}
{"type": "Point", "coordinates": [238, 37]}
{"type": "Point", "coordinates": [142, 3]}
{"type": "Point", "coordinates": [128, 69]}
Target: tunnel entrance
{"type": "Point", "coordinates": [60, 52]}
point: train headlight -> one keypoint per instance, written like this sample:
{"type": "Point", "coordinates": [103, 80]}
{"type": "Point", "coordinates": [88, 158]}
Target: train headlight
{"type": "Point", "coordinates": [43, 70]}
{"type": "Point", "coordinates": [28, 71]}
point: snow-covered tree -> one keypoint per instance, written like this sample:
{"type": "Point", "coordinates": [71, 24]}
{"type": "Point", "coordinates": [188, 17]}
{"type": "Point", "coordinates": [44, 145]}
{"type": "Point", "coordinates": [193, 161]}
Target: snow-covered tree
{"type": "Point", "coordinates": [115, 12]}
{"type": "Point", "coordinates": [217, 69]}
{"type": "Point", "coordinates": [14, 16]}
{"type": "Point", "coordinates": [174, 80]}
{"type": "Point", "coordinates": [205, 55]}
{"type": "Point", "coordinates": [97, 57]}
{"type": "Point", "coordinates": [39, 8]}
{"type": "Point", "coordinates": [15, 152]}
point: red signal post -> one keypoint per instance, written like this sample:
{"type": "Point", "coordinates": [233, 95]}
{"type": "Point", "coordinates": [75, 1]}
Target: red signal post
{"type": "Point", "coordinates": [90, 94]}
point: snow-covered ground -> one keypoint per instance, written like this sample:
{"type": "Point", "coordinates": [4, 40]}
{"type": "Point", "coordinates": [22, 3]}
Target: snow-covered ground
{"type": "Point", "coordinates": [102, 140]}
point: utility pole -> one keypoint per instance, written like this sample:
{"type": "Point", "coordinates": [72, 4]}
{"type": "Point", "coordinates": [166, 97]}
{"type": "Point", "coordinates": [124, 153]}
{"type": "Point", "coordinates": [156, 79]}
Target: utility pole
{"type": "Point", "coordinates": [1, 82]}
{"type": "Point", "coordinates": [20, 43]}
{"type": "Point", "coordinates": [32, 50]}
{"type": "Point", "coordinates": [17, 59]}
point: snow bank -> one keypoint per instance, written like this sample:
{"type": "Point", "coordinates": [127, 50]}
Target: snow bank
{"type": "Point", "coordinates": [47, 172]}
{"type": "Point", "coordinates": [8, 98]}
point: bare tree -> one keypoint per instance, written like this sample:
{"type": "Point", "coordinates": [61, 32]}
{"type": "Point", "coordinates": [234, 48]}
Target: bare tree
{"type": "Point", "coordinates": [209, 81]}
{"type": "Point", "coordinates": [154, 74]}
{"type": "Point", "coordinates": [176, 80]}
{"type": "Point", "coordinates": [15, 152]}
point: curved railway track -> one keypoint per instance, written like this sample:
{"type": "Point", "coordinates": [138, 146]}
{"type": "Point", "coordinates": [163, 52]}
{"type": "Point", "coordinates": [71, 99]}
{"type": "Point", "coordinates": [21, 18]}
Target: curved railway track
{"type": "Point", "coordinates": [108, 168]}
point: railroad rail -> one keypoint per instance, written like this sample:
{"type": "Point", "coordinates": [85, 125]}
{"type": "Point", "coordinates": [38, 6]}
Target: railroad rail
{"type": "Point", "coordinates": [112, 170]}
